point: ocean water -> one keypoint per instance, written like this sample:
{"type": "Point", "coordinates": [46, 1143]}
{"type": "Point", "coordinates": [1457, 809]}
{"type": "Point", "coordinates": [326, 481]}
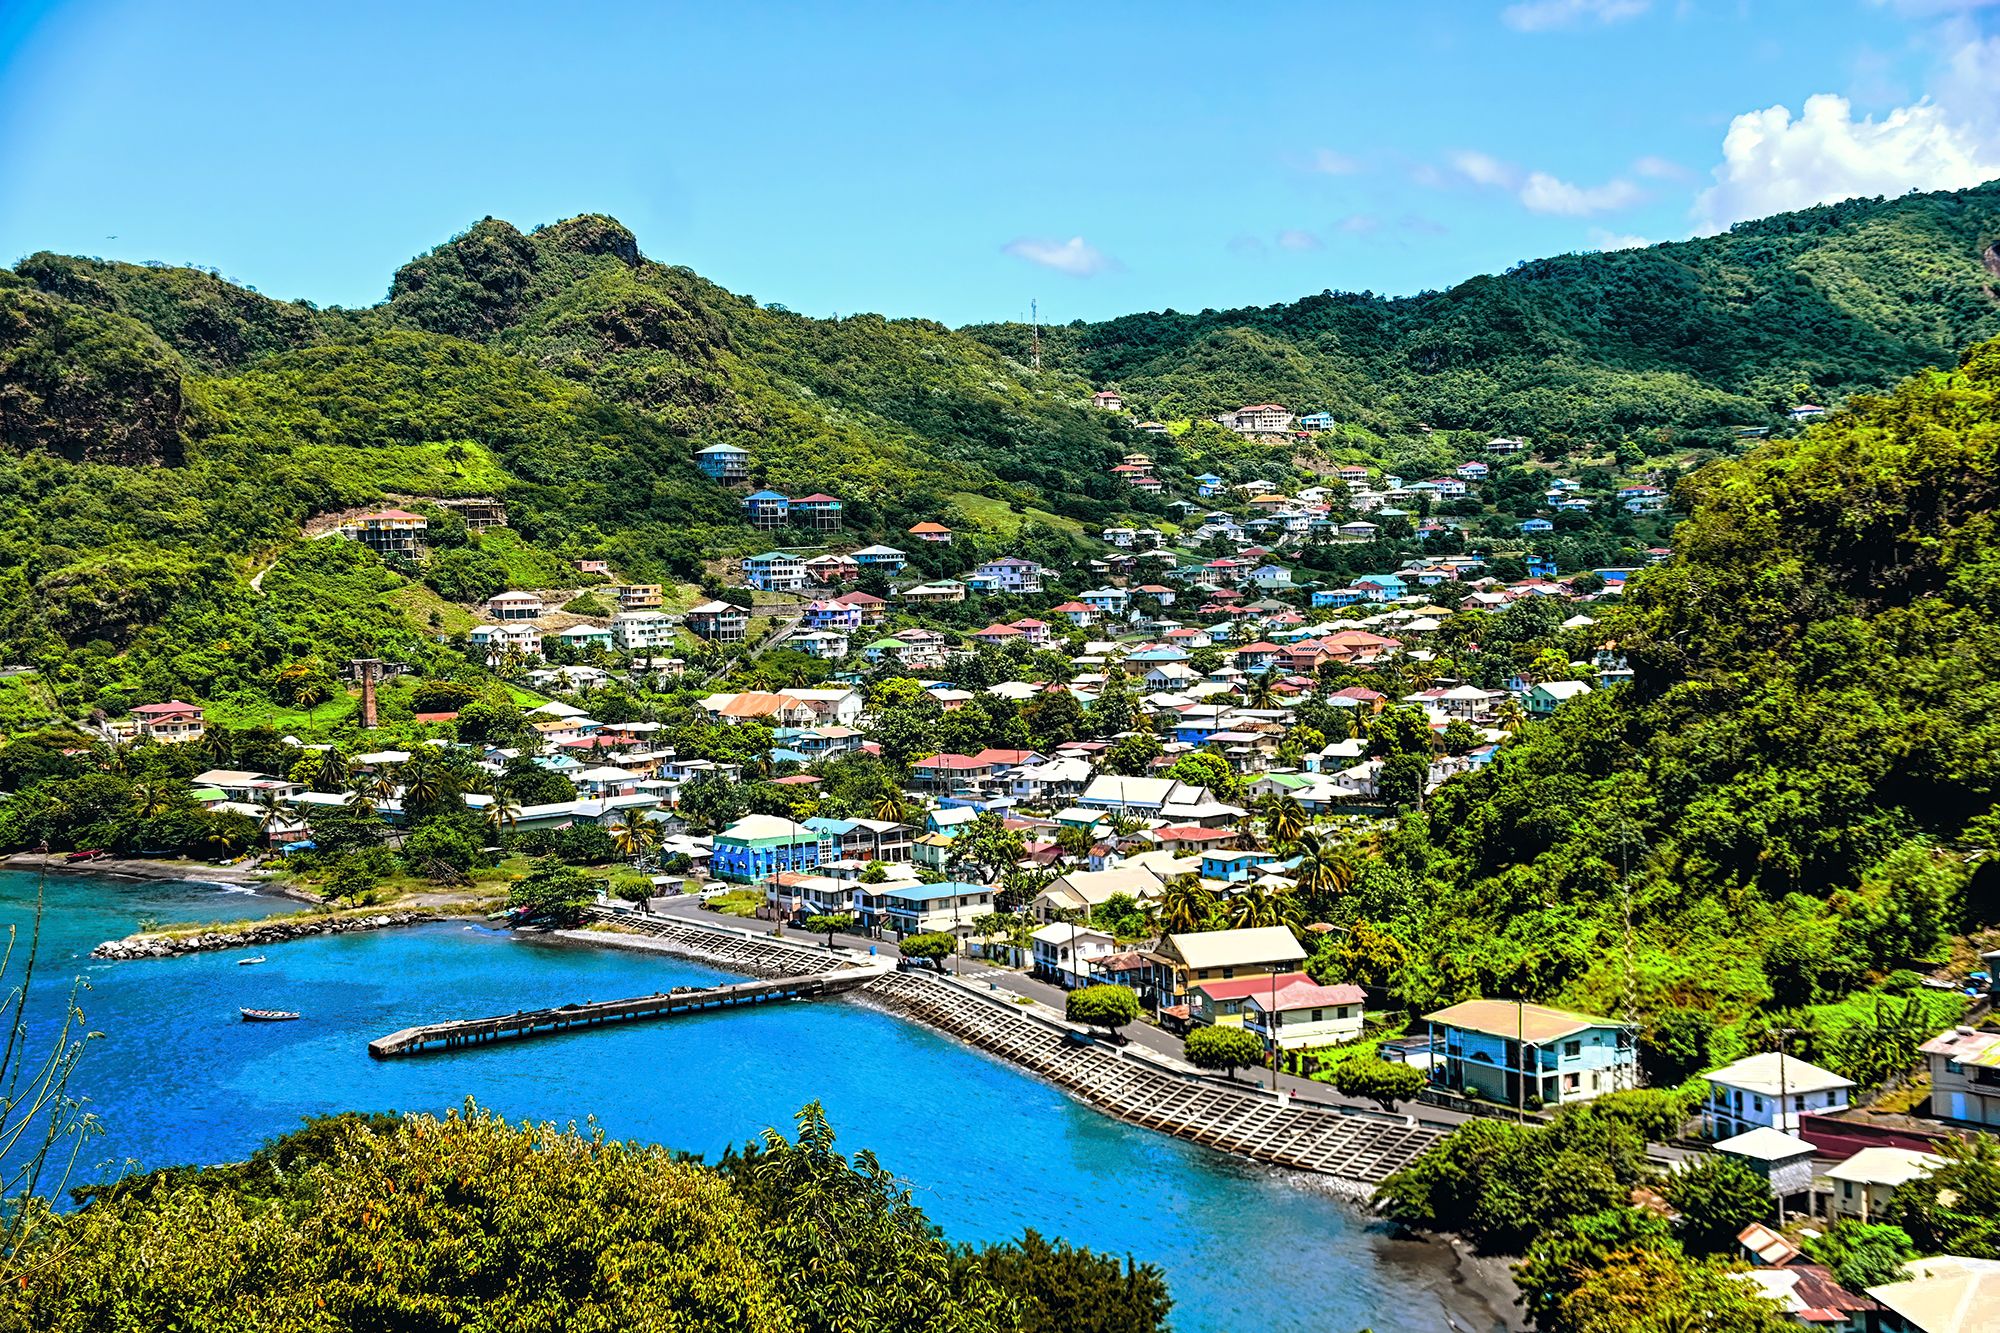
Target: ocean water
{"type": "Point", "coordinates": [178, 1078]}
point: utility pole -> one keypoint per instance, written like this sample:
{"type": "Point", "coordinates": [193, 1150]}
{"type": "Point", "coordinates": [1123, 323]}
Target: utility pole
{"type": "Point", "coordinates": [1035, 318]}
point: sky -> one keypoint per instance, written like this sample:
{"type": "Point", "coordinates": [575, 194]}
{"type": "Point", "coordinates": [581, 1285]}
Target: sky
{"type": "Point", "coordinates": [958, 162]}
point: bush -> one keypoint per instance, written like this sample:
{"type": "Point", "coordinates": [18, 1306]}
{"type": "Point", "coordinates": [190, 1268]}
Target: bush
{"type": "Point", "coordinates": [1108, 1007]}
{"type": "Point", "coordinates": [439, 849]}
{"type": "Point", "coordinates": [1716, 1198]}
{"type": "Point", "coordinates": [1227, 1049]}
{"type": "Point", "coordinates": [1384, 1081]}
{"type": "Point", "coordinates": [933, 947]}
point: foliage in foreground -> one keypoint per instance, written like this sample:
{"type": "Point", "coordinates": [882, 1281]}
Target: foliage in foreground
{"type": "Point", "coordinates": [466, 1222]}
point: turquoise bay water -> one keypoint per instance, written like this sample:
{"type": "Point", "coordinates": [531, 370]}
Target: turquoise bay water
{"type": "Point", "coordinates": [179, 1078]}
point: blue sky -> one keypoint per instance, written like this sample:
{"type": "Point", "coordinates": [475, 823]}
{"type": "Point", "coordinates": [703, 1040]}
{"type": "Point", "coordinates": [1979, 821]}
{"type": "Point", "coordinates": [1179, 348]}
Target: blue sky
{"type": "Point", "coordinates": [955, 162]}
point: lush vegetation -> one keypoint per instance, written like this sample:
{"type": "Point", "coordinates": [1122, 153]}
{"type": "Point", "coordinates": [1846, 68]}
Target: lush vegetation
{"type": "Point", "coordinates": [468, 1222]}
{"type": "Point", "coordinates": [1693, 336]}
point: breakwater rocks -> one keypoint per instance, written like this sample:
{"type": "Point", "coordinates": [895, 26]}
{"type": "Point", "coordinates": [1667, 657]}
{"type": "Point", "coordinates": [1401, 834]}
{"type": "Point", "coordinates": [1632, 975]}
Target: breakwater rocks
{"type": "Point", "coordinates": [245, 937]}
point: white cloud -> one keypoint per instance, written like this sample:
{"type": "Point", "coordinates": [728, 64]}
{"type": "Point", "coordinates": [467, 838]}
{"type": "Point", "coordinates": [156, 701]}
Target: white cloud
{"type": "Point", "coordinates": [1075, 256]}
{"type": "Point", "coordinates": [1484, 169]}
{"type": "Point", "coordinates": [1543, 193]}
{"type": "Point", "coordinates": [1772, 162]}
{"type": "Point", "coordinates": [1542, 15]}
{"type": "Point", "coordinates": [1600, 239]}
{"type": "Point", "coordinates": [1329, 163]}
{"type": "Point", "coordinates": [1358, 224]}
{"type": "Point", "coordinates": [1661, 168]}
{"type": "Point", "coordinates": [1292, 238]}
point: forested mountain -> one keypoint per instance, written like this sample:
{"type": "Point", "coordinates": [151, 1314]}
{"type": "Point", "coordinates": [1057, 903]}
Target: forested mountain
{"type": "Point", "coordinates": [164, 434]}
{"type": "Point", "coordinates": [1699, 334]}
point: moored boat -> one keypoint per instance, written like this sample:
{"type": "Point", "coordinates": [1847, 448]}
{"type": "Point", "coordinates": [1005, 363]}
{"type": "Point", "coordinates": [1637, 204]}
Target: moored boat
{"type": "Point", "coordinates": [267, 1015]}
{"type": "Point", "coordinates": [250, 962]}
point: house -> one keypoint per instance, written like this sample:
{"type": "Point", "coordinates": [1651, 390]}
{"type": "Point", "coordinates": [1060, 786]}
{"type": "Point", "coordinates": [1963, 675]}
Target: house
{"type": "Point", "coordinates": [860, 841]}
{"type": "Point", "coordinates": [767, 509]}
{"type": "Point", "coordinates": [1302, 1013]}
{"type": "Point", "coordinates": [1234, 865]}
{"type": "Point", "coordinates": [1271, 576]}
{"type": "Point", "coordinates": [588, 566]}
{"type": "Point", "coordinates": [1475, 470]}
{"type": "Point", "coordinates": [831, 569]}
{"type": "Point", "coordinates": [1316, 421]}
{"type": "Point", "coordinates": [1494, 1046]}
{"type": "Point", "coordinates": [1013, 574]}
{"type": "Point", "coordinates": [641, 597]}
{"type": "Point", "coordinates": [724, 462]}
{"type": "Point", "coordinates": [586, 637]}
{"type": "Point", "coordinates": [1152, 427]}
{"type": "Point", "coordinates": [167, 723]}
{"type": "Point", "coordinates": [1769, 1089]}
{"type": "Point", "coordinates": [775, 571]}
{"type": "Point", "coordinates": [1861, 1185]}
{"type": "Point", "coordinates": [719, 622]}
{"type": "Point", "coordinates": [757, 847]}
{"type": "Point", "coordinates": [1111, 791]}
{"type": "Point", "coordinates": [514, 605]}
{"type": "Point", "coordinates": [1064, 952]}
{"type": "Point", "coordinates": [1550, 695]}
{"type": "Point", "coordinates": [950, 906]}
{"type": "Point", "coordinates": [932, 532]}
{"type": "Point", "coordinates": [632, 630]}
{"type": "Point", "coordinates": [1337, 597]}
{"type": "Point", "coordinates": [995, 636]}
{"type": "Point", "coordinates": [825, 645]}
{"type": "Point", "coordinates": [947, 592]}
{"type": "Point", "coordinates": [1538, 525]}
{"type": "Point", "coordinates": [885, 558]}
{"type": "Point", "coordinates": [1082, 890]}
{"type": "Point", "coordinates": [497, 640]}
{"type": "Point", "coordinates": [1360, 530]}
{"type": "Point", "coordinates": [1106, 601]}
{"type": "Point", "coordinates": [1182, 961]}
{"type": "Point", "coordinates": [1077, 613]}
{"type": "Point", "coordinates": [1807, 1292]}
{"type": "Point", "coordinates": [1257, 419]}
{"type": "Point", "coordinates": [1785, 1161]}
{"type": "Point", "coordinates": [1108, 399]}
{"type": "Point", "coordinates": [1965, 1075]}
{"type": "Point", "coordinates": [387, 531]}
{"type": "Point", "coordinates": [832, 614]}
{"type": "Point", "coordinates": [1806, 412]}
{"type": "Point", "coordinates": [822, 513]}
{"type": "Point", "coordinates": [1942, 1294]}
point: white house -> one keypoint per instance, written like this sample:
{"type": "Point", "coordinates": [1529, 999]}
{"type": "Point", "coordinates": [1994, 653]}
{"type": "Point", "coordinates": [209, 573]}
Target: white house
{"type": "Point", "coordinates": [1863, 1183]}
{"type": "Point", "coordinates": [1770, 1090]}
{"type": "Point", "coordinates": [1303, 1013]}
{"type": "Point", "coordinates": [1063, 952]}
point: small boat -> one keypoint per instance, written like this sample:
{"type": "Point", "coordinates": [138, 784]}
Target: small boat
{"type": "Point", "coordinates": [267, 1015]}
{"type": "Point", "coordinates": [250, 962]}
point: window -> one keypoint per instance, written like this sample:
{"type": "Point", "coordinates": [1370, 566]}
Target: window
{"type": "Point", "coordinates": [1319, 1015]}
{"type": "Point", "coordinates": [1756, 1103]}
{"type": "Point", "coordinates": [1799, 1102]}
{"type": "Point", "coordinates": [1228, 973]}
{"type": "Point", "coordinates": [1572, 1048]}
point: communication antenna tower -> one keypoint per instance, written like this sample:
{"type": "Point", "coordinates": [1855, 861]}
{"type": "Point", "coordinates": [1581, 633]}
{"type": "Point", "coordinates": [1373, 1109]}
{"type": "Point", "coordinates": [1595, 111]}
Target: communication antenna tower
{"type": "Point", "coordinates": [1035, 318]}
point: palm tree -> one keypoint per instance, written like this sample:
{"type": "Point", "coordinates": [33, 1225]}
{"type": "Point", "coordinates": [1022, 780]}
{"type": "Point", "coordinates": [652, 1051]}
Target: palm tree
{"type": "Point", "coordinates": [151, 799]}
{"type": "Point", "coordinates": [426, 783]}
{"type": "Point", "coordinates": [1257, 692]}
{"type": "Point", "coordinates": [361, 795]}
{"type": "Point", "coordinates": [269, 807]}
{"type": "Point", "coordinates": [632, 834]}
{"type": "Point", "coordinates": [1185, 905]}
{"type": "Point", "coordinates": [333, 771]}
{"type": "Point", "coordinates": [1510, 715]}
{"type": "Point", "coordinates": [502, 813]}
{"type": "Point", "coordinates": [1250, 908]}
{"type": "Point", "coordinates": [1286, 819]}
{"type": "Point", "coordinates": [216, 744]}
{"type": "Point", "coordinates": [1246, 834]}
{"type": "Point", "coordinates": [891, 806]}
{"type": "Point", "coordinates": [1324, 867]}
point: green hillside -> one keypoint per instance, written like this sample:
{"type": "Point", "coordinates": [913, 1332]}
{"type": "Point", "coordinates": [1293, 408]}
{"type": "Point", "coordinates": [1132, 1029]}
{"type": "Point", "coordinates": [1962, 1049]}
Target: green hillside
{"type": "Point", "coordinates": [1698, 335]}
{"type": "Point", "coordinates": [1795, 798]}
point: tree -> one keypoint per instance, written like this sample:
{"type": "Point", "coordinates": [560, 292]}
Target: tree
{"type": "Point", "coordinates": [633, 834]}
{"type": "Point", "coordinates": [1862, 1254]}
{"type": "Point", "coordinates": [931, 946]}
{"type": "Point", "coordinates": [1675, 1045]}
{"type": "Point", "coordinates": [1956, 1208]}
{"type": "Point", "coordinates": [1226, 1048]}
{"type": "Point", "coordinates": [1055, 1287]}
{"type": "Point", "coordinates": [1108, 1007]}
{"type": "Point", "coordinates": [829, 924]}
{"type": "Point", "coordinates": [551, 894]}
{"type": "Point", "coordinates": [1286, 819]}
{"type": "Point", "coordinates": [1186, 905]}
{"type": "Point", "coordinates": [1132, 756]}
{"type": "Point", "coordinates": [1716, 1197]}
{"type": "Point", "coordinates": [439, 849]}
{"type": "Point", "coordinates": [1199, 768]}
{"type": "Point", "coordinates": [1658, 1291]}
{"type": "Point", "coordinates": [358, 872]}
{"type": "Point", "coordinates": [1571, 1250]}
{"type": "Point", "coordinates": [1383, 1081]}
{"type": "Point", "coordinates": [501, 814]}
{"type": "Point", "coordinates": [987, 844]}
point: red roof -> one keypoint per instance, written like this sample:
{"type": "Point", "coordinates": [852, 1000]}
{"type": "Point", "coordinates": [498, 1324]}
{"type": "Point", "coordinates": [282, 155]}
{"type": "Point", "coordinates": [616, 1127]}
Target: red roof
{"type": "Point", "coordinates": [1295, 990]}
{"type": "Point", "coordinates": [1260, 647]}
{"type": "Point", "coordinates": [1028, 623]}
{"type": "Point", "coordinates": [434, 717]}
{"type": "Point", "coordinates": [929, 527]}
{"type": "Point", "coordinates": [171, 706]}
{"type": "Point", "coordinates": [1193, 833]}
{"type": "Point", "coordinates": [862, 599]}
{"type": "Point", "coordinates": [817, 499]}
{"type": "Point", "coordinates": [1070, 608]}
{"type": "Point", "coordinates": [995, 631]}
{"type": "Point", "coordinates": [795, 780]}
{"type": "Point", "coordinates": [390, 513]}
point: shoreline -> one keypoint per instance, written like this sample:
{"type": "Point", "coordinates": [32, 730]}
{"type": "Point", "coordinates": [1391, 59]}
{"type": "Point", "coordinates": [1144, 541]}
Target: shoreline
{"type": "Point", "coordinates": [155, 868]}
{"type": "Point", "coordinates": [1478, 1289]}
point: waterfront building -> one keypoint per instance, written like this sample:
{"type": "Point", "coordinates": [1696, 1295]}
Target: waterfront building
{"type": "Point", "coordinates": [757, 847]}
{"type": "Point", "coordinates": [1494, 1045]}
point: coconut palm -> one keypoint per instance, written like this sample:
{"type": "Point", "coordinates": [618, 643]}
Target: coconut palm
{"type": "Point", "coordinates": [333, 772]}
{"type": "Point", "coordinates": [1264, 907]}
{"type": "Point", "coordinates": [216, 744]}
{"type": "Point", "coordinates": [1324, 867]}
{"type": "Point", "coordinates": [1185, 905]}
{"type": "Point", "coordinates": [151, 799]}
{"type": "Point", "coordinates": [1258, 691]}
{"type": "Point", "coordinates": [502, 813]}
{"type": "Point", "coordinates": [1286, 819]}
{"type": "Point", "coordinates": [1246, 834]}
{"type": "Point", "coordinates": [892, 806]}
{"type": "Point", "coordinates": [269, 808]}
{"type": "Point", "coordinates": [633, 834]}
{"type": "Point", "coordinates": [1510, 716]}
{"type": "Point", "coordinates": [426, 783]}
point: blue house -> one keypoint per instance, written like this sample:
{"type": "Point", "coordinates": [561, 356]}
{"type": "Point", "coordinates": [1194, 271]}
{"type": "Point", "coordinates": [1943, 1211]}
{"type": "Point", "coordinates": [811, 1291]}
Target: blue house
{"type": "Point", "coordinates": [1538, 525]}
{"type": "Point", "coordinates": [1316, 421]}
{"type": "Point", "coordinates": [1510, 1052]}
{"type": "Point", "coordinates": [1338, 597]}
{"type": "Point", "coordinates": [1233, 867]}
{"type": "Point", "coordinates": [724, 462]}
{"type": "Point", "coordinates": [1207, 484]}
{"type": "Point", "coordinates": [1541, 566]}
{"type": "Point", "coordinates": [767, 509]}
{"type": "Point", "coordinates": [885, 558]}
{"type": "Point", "coordinates": [1381, 587]}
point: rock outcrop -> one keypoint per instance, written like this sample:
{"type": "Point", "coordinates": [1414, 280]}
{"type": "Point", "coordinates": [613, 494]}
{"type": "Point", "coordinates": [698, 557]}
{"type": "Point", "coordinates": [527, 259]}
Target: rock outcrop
{"type": "Point", "coordinates": [269, 932]}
